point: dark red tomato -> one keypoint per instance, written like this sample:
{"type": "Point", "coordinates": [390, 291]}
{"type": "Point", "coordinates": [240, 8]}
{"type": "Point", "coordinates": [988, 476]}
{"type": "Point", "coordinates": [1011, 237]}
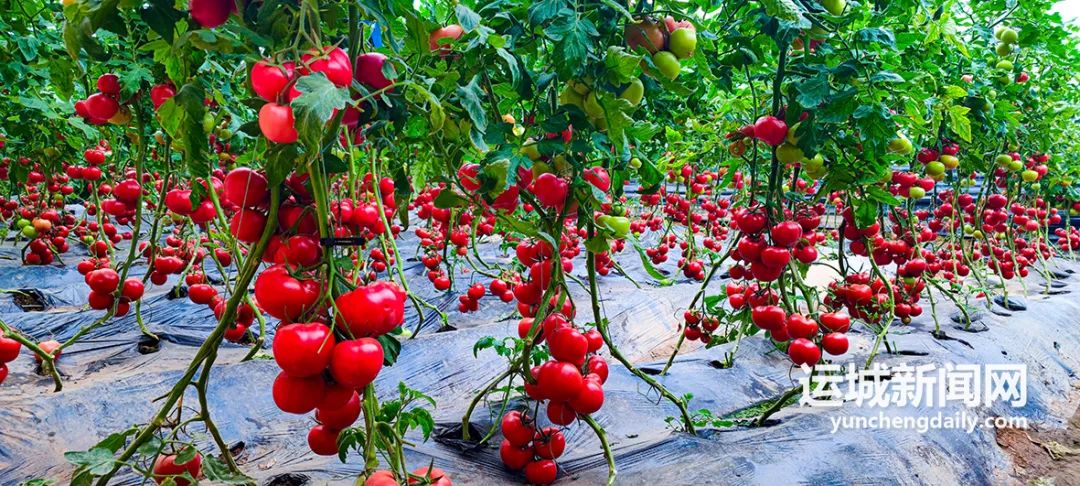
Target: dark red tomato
{"type": "Point", "coordinates": [596, 341]}
{"type": "Point", "coordinates": [568, 344]}
{"type": "Point", "coordinates": [9, 349]}
{"type": "Point", "coordinates": [560, 381]}
{"type": "Point", "coordinates": [298, 395]}
{"type": "Point", "coordinates": [433, 477]}
{"type": "Point", "coordinates": [804, 351]}
{"type": "Point", "coordinates": [356, 363]}
{"type": "Point", "coordinates": [372, 310]}
{"type": "Point", "coordinates": [541, 472]}
{"type": "Point", "coordinates": [303, 350]}
{"type": "Point", "coordinates": [133, 288]}
{"type": "Point", "coordinates": [550, 190]}
{"type": "Point", "coordinates": [202, 293]}
{"type": "Point", "coordinates": [284, 296]}
{"type": "Point", "coordinates": [513, 457]}
{"type": "Point", "coordinates": [771, 130]}
{"type": "Point", "coordinates": [381, 478]}
{"type": "Point", "coordinates": [105, 280]}
{"type": "Point", "coordinates": [517, 428]}
{"type": "Point", "coordinates": [340, 417]}
{"type": "Point", "coordinates": [323, 440]}
{"type": "Point", "coordinates": [332, 61]}
{"type": "Point", "coordinates": [247, 225]}
{"type": "Point", "coordinates": [165, 466]}
{"type": "Point", "coordinates": [549, 443]}
{"type": "Point", "coordinates": [834, 343]}
{"type": "Point", "coordinates": [99, 301]}
{"type": "Point", "coordinates": [246, 188]}
{"type": "Point", "coordinates": [590, 399]}
{"type": "Point", "coordinates": [560, 413]}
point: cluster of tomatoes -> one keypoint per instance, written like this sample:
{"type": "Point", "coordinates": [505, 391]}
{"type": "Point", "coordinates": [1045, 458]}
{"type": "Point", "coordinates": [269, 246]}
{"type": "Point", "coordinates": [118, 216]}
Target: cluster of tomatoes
{"type": "Point", "coordinates": [104, 106]}
{"type": "Point", "coordinates": [323, 369]}
{"type": "Point", "coordinates": [572, 384]}
{"type": "Point", "coordinates": [106, 289]}
{"type": "Point", "coordinates": [276, 82]}
{"type": "Point", "coordinates": [806, 337]}
{"type": "Point", "coordinates": [699, 326]}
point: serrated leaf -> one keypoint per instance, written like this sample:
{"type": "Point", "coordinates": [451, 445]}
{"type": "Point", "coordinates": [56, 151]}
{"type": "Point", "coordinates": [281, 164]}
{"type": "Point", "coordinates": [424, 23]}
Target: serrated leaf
{"type": "Point", "coordinates": [450, 199]}
{"type": "Point", "coordinates": [468, 19]}
{"type": "Point", "coordinates": [544, 10]}
{"type": "Point", "coordinates": [471, 97]}
{"type": "Point", "coordinates": [572, 35]}
{"type": "Point", "coordinates": [622, 66]}
{"type": "Point", "coordinates": [814, 91]}
{"type": "Point", "coordinates": [886, 77]}
{"type": "Point", "coordinates": [959, 122]}
{"type": "Point", "coordinates": [318, 100]}
{"type": "Point", "coordinates": [877, 35]}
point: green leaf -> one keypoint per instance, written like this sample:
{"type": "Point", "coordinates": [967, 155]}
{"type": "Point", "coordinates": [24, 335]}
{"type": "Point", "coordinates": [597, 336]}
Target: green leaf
{"type": "Point", "coordinates": [814, 91]}
{"type": "Point", "coordinates": [450, 199]}
{"type": "Point", "coordinates": [470, 97]}
{"type": "Point", "coordinates": [955, 91]}
{"type": "Point", "coordinates": [877, 35]}
{"type": "Point", "coordinates": [161, 16]}
{"type": "Point", "coordinates": [96, 461]}
{"type": "Point", "coordinates": [468, 19]}
{"type": "Point", "coordinates": [317, 102]}
{"type": "Point", "coordinates": [786, 10]}
{"type": "Point", "coordinates": [391, 349]}
{"type": "Point", "coordinates": [882, 196]}
{"type": "Point", "coordinates": [219, 472]}
{"type": "Point", "coordinates": [661, 279]}
{"type": "Point", "coordinates": [959, 122]}
{"type": "Point", "coordinates": [886, 77]}
{"type": "Point", "coordinates": [622, 66]}
{"type": "Point", "coordinates": [544, 10]}
{"type": "Point", "coordinates": [573, 43]}
{"type": "Point", "coordinates": [181, 117]}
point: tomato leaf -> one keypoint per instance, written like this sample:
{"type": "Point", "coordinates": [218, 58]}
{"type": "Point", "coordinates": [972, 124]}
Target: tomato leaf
{"type": "Point", "coordinates": [470, 97]}
{"type": "Point", "coordinates": [318, 100]}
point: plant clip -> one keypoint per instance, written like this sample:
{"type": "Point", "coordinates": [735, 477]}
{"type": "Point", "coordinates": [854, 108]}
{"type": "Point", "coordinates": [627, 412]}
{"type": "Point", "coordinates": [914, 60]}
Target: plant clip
{"type": "Point", "coordinates": [354, 241]}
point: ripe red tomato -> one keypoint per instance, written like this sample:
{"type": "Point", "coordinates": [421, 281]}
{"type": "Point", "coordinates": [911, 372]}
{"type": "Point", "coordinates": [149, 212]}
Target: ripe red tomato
{"type": "Point", "coordinates": [549, 443]}
{"type": "Point", "coordinates": [517, 428]}
{"type": "Point", "coordinates": [284, 296]}
{"type": "Point", "coordinates": [211, 13]}
{"type": "Point", "coordinates": [333, 62]}
{"type": "Point", "coordinates": [786, 233]}
{"type": "Point", "coordinates": [369, 71]}
{"type": "Point", "coordinates": [298, 395]}
{"type": "Point", "coordinates": [568, 344]}
{"type": "Point", "coordinates": [381, 478]}
{"type": "Point", "coordinates": [834, 343]}
{"type": "Point", "coordinates": [303, 350]}
{"type": "Point", "coordinates": [590, 399]}
{"type": "Point", "coordinates": [323, 440]}
{"type": "Point", "coordinates": [800, 326]}
{"type": "Point", "coordinates": [372, 310]}
{"type": "Point", "coordinates": [514, 457]}
{"type": "Point", "coordinates": [340, 417]}
{"type": "Point", "coordinates": [268, 81]}
{"type": "Point", "coordinates": [277, 123]}
{"type": "Point", "coordinates": [9, 349]}
{"type": "Point", "coordinates": [836, 322]}
{"type": "Point", "coordinates": [541, 472]}
{"type": "Point", "coordinates": [246, 188]}
{"type": "Point", "coordinates": [550, 190]}
{"type": "Point", "coordinates": [247, 225]}
{"type": "Point", "coordinates": [560, 381]}
{"type": "Point", "coordinates": [804, 351]}
{"type": "Point", "coordinates": [104, 280]}
{"type": "Point", "coordinates": [770, 130]}
{"type": "Point", "coordinates": [356, 363]}
{"type": "Point", "coordinates": [433, 477]}
{"type": "Point", "coordinates": [165, 466]}
{"type": "Point", "coordinates": [768, 316]}
{"type": "Point", "coordinates": [560, 413]}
